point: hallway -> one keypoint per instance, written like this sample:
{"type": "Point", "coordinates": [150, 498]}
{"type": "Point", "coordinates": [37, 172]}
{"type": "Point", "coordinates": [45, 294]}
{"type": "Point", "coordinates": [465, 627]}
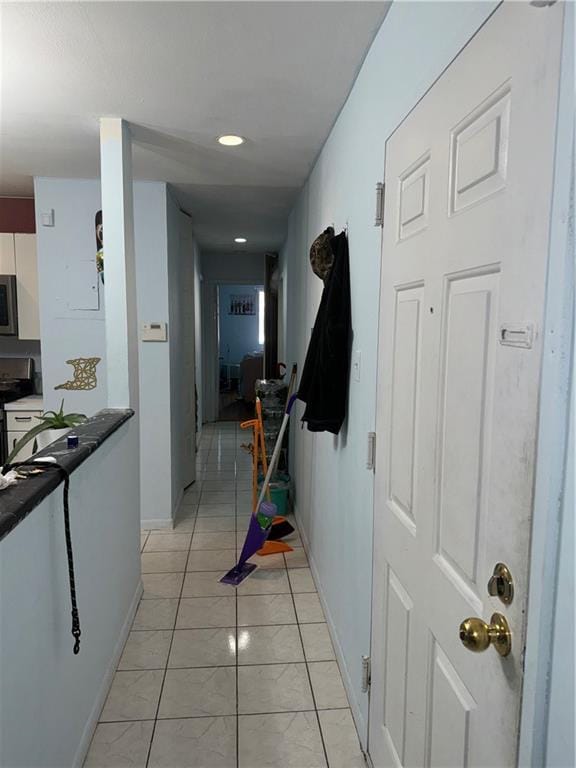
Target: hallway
{"type": "Point", "coordinates": [182, 696]}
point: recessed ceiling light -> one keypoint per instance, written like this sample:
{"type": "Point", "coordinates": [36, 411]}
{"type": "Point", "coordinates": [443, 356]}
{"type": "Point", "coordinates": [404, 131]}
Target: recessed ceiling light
{"type": "Point", "coordinates": [239, 239]}
{"type": "Point", "coordinates": [230, 140]}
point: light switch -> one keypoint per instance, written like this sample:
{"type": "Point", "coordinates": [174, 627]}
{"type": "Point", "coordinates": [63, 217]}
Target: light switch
{"type": "Point", "coordinates": [47, 218]}
{"type": "Point", "coordinates": [356, 359]}
{"type": "Point", "coordinates": [154, 332]}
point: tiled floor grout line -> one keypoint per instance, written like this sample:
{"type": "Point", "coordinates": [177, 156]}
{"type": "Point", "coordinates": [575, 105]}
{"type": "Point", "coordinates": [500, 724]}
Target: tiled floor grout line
{"type": "Point", "coordinates": [169, 652]}
{"type": "Point", "coordinates": [307, 667]}
{"type": "Point", "coordinates": [236, 615]}
{"type": "Point", "coordinates": [155, 720]}
{"type": "Point", "coordinates": [189, 512]}
{"type": "Point", "coordinates": [209, 717]}
{"type": "Point", "coordinates": [219, 570]}
{"type": "Point", "coordinates": [229, 666]}
{"type": "Point", "coordinates": [240, 626]}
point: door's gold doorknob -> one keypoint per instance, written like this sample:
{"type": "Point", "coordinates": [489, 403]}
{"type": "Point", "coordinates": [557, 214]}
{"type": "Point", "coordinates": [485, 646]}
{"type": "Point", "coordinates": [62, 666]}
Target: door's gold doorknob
{"type": "Point", "coordinates": [476, 635]}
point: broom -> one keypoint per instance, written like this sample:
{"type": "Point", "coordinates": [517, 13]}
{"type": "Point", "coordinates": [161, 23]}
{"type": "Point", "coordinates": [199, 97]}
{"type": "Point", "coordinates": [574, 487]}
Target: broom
{"type": "Point", "coordinates": [269, 547]}
{"type": "Point", "coordinates": [261, 520]}
{"type": "Point", "coordinates": [280, 526]}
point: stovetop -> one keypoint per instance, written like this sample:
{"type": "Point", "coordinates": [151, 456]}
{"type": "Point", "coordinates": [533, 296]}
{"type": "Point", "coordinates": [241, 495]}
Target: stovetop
{"type": "Point", "coordinates": [15, 392]}
{"type": "Point", "coordinates": [16, 378]}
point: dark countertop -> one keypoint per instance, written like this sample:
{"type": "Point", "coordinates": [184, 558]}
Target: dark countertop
{"type": "Point", "coordinates": [19, 500]}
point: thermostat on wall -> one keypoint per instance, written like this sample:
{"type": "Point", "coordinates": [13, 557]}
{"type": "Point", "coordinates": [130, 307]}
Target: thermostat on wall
{"type": "Point", "coordinates": [154, 332]}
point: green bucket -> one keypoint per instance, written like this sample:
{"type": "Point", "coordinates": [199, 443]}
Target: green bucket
{"type": "Point", "coordinates": [279, 488]}
{"type": "Point", "coordinates": [279, 497]}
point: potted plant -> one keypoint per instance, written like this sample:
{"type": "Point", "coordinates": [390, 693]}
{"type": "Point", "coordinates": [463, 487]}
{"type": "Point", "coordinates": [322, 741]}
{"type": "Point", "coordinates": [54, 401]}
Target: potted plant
{"type": "Point", "coordinates": [53, 424]}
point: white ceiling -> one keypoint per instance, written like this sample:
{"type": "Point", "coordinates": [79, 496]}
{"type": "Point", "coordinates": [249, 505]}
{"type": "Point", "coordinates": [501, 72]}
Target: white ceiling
{"type": "Point", "coordinates": [184, 73]}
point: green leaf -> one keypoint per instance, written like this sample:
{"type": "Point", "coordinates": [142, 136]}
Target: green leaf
{"type": "Point", "coordinates": [77, 417]}
{"type": "Point", "coordinates": [60, 420]}
{"type": "Point", "coordinates": [30, 435]}
{"type": "Point", "coordinates": [48, 420]}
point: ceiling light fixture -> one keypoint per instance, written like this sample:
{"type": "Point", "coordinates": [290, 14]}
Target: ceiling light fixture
{"type": "Point", "coordinates": [230, 140]}
{"type": "Point", "coordinates": [240, 240]}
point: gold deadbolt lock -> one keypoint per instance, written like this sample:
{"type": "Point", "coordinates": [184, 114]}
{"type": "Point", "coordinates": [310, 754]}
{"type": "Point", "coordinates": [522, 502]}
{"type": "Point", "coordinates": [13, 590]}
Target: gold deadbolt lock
{"type": "Point", "coordinates": [501, 584]}
{"type": "Point", "coordinates": [477, 636]}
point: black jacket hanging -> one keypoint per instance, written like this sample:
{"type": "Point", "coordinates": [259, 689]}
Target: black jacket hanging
{"type": "Point", "coordinates": [324, 382]}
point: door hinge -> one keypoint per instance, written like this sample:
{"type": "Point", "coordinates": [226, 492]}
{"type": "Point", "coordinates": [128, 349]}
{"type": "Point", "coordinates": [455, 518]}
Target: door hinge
{"type": "Point", "coordinates": [366, 673]}
{"type": "Point", "coordinates": [379, 217]}
{"type": "Point", "coordinates": [371, 456]}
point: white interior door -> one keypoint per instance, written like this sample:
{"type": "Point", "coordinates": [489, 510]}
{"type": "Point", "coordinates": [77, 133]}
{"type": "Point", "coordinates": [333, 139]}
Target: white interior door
{"type": "Point", "coordinates": [188, 350]}
{"type": "Point", "coordinates": [464, 255]}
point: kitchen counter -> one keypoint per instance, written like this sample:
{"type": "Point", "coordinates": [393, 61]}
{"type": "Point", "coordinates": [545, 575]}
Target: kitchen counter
{"type": "Point", "coordinates": [42, 682]}
{"type": "Point", "coordinates": [30, 403]}
{"type": "Point", "coordinates": [17, 501]}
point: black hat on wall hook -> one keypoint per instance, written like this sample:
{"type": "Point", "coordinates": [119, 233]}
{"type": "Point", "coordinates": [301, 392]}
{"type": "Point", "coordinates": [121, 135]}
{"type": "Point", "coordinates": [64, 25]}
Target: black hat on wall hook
{"type": "Point", "coordinates": [321, 256]}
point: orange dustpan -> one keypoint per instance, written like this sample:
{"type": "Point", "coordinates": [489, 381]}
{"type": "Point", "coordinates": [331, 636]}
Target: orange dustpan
{"type": "Point", "coordinates": [274, 548]}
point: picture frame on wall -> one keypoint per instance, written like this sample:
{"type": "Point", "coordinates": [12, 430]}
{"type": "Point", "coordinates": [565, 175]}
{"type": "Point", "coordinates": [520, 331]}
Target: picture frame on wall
{"type": "Point", "coordinates": [242, 304]}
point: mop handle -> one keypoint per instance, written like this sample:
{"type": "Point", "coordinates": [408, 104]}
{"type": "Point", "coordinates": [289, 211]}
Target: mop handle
{"type": "Point", "coordinates": [277, 449]}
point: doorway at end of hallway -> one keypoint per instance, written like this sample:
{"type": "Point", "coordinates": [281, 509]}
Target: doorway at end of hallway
{"type": "Point", "coordinates": [240, 348]}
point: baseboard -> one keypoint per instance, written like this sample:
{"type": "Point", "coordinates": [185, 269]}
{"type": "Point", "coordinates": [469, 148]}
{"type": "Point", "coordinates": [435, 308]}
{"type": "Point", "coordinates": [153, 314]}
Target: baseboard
{"type": "Point", "coordinates": [161, 522]}
{"type": "Point", "coordinates": [92, 721]}
{"type": "Point", "coordinates": [361, 725]}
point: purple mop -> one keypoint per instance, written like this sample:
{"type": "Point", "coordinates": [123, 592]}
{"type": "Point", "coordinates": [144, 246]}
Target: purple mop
{"type": "Point", "coordinates": [261, 521]}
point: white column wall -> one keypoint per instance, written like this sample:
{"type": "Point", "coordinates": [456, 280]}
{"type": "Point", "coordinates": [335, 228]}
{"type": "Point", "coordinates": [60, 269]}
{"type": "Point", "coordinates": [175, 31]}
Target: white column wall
{"type": "Point", "coordinates": [120, 263]}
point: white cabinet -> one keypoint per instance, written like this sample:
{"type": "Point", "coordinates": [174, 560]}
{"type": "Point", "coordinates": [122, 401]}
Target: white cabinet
{"type": "Point", "coordinates": [21, 421]}
{"type": "Point", "coordinates": [27, 450]}
{"type": "Point", "coordinates": [7, 255]}
{"type": "Point", "coordinates": [27, 286]}
{"type": "Point", "coordinates": [18, 257]}
{"type": "Point", "coordinates": [18, 422]}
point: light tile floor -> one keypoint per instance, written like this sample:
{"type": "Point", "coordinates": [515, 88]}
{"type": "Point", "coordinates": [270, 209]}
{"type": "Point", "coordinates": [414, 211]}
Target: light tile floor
{"type": "Point", "coordinates": [217, 677]}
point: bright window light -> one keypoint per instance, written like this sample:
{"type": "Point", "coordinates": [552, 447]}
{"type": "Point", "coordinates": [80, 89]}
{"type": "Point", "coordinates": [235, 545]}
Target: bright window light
{"type": "Point", "coordinates": [260, 317]}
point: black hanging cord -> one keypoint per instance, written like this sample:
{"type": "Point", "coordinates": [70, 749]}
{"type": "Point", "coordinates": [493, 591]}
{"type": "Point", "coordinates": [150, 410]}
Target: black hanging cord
{"type": "Point", "coordinates": [39, 464]}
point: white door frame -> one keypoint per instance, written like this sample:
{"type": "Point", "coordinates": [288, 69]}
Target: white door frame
{"type": "Point", "coordinates": [554, 411]}
{"type": "Point", "coordinates": [210, 347]}
{"type": "Point", "coordinates": [557, 361]}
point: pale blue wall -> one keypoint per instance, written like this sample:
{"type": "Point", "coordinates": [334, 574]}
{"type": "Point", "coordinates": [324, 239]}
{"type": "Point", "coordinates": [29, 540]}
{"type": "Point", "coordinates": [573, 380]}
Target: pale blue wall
{"type": "Point", "coordinates": [547, 735]}
{"type": "Point", "coordinates": [70, 333]}
{"type": "Point", "coordinates": [151, 239]}
{"type": "Point", "coordinates": [334, 491]}
{"type": "Point", "coordinates": [182, 260]}
{"type": "Point", "coordinates": [561, 737]}
{"type": "Point", "coordinates": [198, 277]}
{"type": "Point", "coordinates": [175, 359]}
{"type": "Point", "coordinates": [561, 747]}
{"type": "Point", "coordinates": [238, 333]}
{"type": "Point", "coordinates": [50, 698]}
{"type": "Point", "coordinates": [233, 268]}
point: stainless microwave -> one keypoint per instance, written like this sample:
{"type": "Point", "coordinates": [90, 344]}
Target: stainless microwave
{"type": "Point", "coordinates": [8, 306]}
